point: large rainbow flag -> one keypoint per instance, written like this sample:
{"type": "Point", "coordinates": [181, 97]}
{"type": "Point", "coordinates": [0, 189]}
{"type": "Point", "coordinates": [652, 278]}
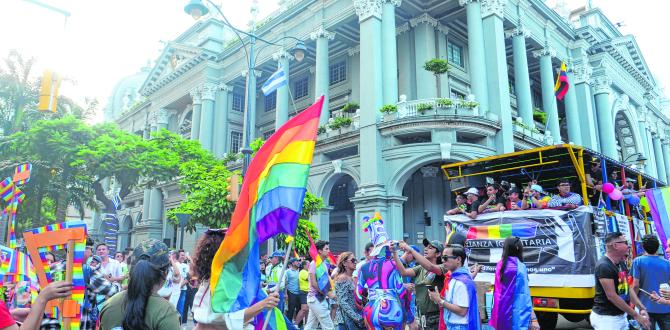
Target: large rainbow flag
{"type": "Point", "coordinates": [270, 203]}
{"type": "Point", "coordinates": [521, 230]}
{"type": "Point", "coordinates": [659, 208]}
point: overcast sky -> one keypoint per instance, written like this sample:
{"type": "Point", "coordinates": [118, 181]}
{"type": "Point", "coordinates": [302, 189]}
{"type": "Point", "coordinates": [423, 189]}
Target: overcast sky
{"type": "Point", "coordinates": [104, 41]}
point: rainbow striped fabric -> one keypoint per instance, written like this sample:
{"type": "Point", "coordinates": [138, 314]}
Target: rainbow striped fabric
{"type": "Point", "coordinates": [322, 278]}
{"type": "Point", "coordinates": [270, 203]}
{"type": "Point", "coordinates": [79, 286]}
{"type": "Point", "coordinates": [11, 194]}
{"type": "Point", "coordinates": [22, 173]}
{"type": "Point", "coordinates": [15, 266]}
{"type": "Point", "coordinates": [659, 209]}
{"type": "Point", "coordinates": [521, 230]}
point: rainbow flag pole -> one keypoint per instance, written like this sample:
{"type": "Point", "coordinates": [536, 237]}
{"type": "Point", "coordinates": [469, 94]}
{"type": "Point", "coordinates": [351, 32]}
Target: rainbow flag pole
{"type": "Point", "coordinates": [281, 276]}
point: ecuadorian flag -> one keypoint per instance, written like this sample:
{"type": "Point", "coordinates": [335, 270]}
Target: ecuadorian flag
{"type": "Point", "coordinates": [270, 203]}
{"type": "Point", "coordinates": [562, 84]}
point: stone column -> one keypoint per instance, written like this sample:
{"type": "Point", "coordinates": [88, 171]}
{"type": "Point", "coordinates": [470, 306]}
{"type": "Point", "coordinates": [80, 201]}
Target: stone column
{"type": "Point", "coordinates": [477, 62]}
{"type": "Point", "coordinates": [389, 52]}
{"type": "Point", "coordinates": [355, 69]}
{"type": "Point", "coordinates": [322, 77]}
{"type": "Point", "coordinates": [652, 153]}
{"type": "Point", "coordinates": [195, 117]}
{"type": "Point", "coordinates": [424, 50]}
{"type": "Point", "coordinates": [322, 222]}
{"type": "Point", "coordinates": [281, 114]}
{"type": "Point", "coordinates": [524, 102]}
{"type": "Point", "coordinates": [163, 118]}
{"type": "Point", "coordinates": [582, 79]}
{"type": "Point", "coordinates": [572, 114]}
{"type": "Point", "coordinates": [221, 120]}
{"type": "Point", "coordinates": [369, 14]}
{"type": "Point", "coordinates": [601, 90]}
{"type": "Point", "coordinates": [642, 119]}
{"type": "Point", "coordinates": [207, 116]}
{"type": "Point", "coordinates": [665, 146]}
{"type": "Point", "coordinates": [152, 225]}
{"type": "Point", "coordinates": [658, 153]}
{"type": "Point", "coordinates": [395, 222]}
{"type": "Point", "coordinates": [445, 80]}
{"type": "Point", "coordinates": [548, 97]}
{"type": "Point", "coordinates": [497, 76]}
{"type": "Point", "coordinates": [146, 204]}
{"type": "Point", "coordinates": [405, 71]}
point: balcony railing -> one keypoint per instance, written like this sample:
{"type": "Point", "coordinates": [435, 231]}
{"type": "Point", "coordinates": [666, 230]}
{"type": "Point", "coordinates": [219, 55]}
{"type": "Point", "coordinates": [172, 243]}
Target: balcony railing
{"type": "Point", "coordinates": [437, 107]}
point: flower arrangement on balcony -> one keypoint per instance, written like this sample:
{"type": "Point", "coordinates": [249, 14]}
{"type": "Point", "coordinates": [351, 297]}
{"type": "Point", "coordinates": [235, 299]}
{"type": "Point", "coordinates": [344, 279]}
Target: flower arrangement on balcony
{"type": "Point", "coordinates": [469, 104]}
{"type": "Point", "coordinates": [445, 103]}
{"type": "Point", "coordinates": [350, 107]}
{"type": "Point", "coordinates": [438, 67]}
{"type": "Point", "coordinates": [321, 130]}
{"type": "Point", "coordinates": [339, 122]}
{"type": "Point", "coordinates": [526, 127]}
{"type": "Point", "coordinates": [423, 107]}
{"type": "Point", "coordinates": [389, 109]}
{"type": "Point", "coordinates": [540, 116]}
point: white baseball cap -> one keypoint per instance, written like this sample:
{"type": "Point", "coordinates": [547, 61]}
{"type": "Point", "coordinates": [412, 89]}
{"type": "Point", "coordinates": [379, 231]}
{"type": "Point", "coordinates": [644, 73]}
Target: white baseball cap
{"type": "Point", "coordinates": [472, 191]}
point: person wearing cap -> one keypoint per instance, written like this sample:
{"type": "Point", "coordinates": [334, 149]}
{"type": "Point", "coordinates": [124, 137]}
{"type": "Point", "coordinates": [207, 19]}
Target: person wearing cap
{"type": "Point", "coordinates": [513, 200]}
{"type": "Point", "coordinates": [140, 307]}
{"type": "Point", "coordinates": [565, 198]}
{"type": "Point", "coordinates": [427, 275]}
{"type": "Point", "coordinates": [472, 203]}
{"type": "Point", "coordinates": [293, 288]}
{"type": "Point", "coordinates": [273, 279]}
{"type": "Point", "coordinates": [453, 236]}
{"type": "Point", "coordinates": [534, 198]}
{"type": "Point", "coordinates": [495, 202]}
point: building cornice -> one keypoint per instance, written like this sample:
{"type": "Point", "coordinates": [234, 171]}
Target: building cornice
{"type": "Point", "coordinates": [367, 9]}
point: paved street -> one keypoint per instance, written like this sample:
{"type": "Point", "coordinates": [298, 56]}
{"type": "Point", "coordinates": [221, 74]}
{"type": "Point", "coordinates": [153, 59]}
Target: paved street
{"type": "Point", "coordinates": [563, 324]}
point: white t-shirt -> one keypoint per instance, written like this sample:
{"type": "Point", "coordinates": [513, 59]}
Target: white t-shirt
{"type": "Point", "coordinates": [112, 268]}
{"type": "Point", "coordinates": [357, 271]}
{"type": "Point", "coordinates": [183, 272]}
{"type": "Point", "coordinates": [457, 295]}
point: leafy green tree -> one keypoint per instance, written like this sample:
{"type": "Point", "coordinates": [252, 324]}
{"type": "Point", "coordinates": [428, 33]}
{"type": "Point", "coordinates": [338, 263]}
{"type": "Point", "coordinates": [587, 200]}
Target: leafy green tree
{"type": "Point", "coordinates": [438, 67]}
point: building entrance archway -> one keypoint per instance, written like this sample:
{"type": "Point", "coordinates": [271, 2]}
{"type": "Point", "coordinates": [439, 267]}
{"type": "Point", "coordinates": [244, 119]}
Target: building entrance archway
{"type": "Point", "coordinates": [341, 218]}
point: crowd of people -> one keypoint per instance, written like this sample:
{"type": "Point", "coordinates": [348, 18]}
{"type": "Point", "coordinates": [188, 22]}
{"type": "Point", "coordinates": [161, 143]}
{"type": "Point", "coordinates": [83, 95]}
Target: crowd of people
{"type": "Point", "coordinates": [505, 196]}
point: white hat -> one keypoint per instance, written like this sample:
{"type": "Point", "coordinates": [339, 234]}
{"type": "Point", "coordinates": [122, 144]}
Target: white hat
{"type": "Point", "coordinates": [472, 191]}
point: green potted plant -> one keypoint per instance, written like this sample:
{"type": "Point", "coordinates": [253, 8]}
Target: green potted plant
{"type": "Point", "coordinates": [350, 107]}
{"type": "Point", "coordinates": [540, 116]}
{"type": "Point", "coordinates": [445, 103]}
{"type": "Point", "coordinates": [423, 107]}
{"type": "Point", "coordinates": [438, 67]}
{"type": "Point", "coordinates": [339, 122]}
{"type": "Point", "coordinates": [389, 111]}
{"type": "Point", "coordinates": [321, 130]}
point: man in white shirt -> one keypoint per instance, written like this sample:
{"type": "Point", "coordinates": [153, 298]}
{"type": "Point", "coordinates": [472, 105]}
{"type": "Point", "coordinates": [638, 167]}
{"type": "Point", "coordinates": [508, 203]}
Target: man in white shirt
{"type": "Point", "coordinates": [110, 267]}
{"type": "Point", "coordinates": [183, 271]}
{"type": "Point", "coordinates": [460, 299]}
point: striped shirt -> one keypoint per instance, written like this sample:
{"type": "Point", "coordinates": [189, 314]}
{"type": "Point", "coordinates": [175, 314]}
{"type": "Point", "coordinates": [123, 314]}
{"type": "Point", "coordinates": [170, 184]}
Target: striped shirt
{"type": "Point", "coordinates": [570, 198]}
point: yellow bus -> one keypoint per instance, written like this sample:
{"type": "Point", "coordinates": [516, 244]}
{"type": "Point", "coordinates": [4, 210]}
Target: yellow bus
{"type": "Point", "coordinates": [561, 246]}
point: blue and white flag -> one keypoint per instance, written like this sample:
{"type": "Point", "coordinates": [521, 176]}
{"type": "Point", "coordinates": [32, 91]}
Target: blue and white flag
{"type": "Point", "coordinates": [276, 80]}
{"type": "Point", "coordinates": [116, 200]}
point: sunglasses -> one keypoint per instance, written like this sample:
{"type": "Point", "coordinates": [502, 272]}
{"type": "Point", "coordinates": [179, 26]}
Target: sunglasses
{"type": "Point", "coordinates": [624, 242]}
{"type": "Point", "coordinates": [445, 258]}
{"type": "Point", "coordinates": [353, 260]}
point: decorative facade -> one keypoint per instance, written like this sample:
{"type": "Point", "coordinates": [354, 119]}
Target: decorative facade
{"type": "Point", "coordinates": [504, 56]}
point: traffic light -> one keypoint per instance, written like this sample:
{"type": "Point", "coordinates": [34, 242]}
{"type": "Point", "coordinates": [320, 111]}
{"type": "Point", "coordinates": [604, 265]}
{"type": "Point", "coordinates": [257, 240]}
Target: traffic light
{"type": "Point", "coordinates": [233, 188]}
{"type": "Point", "coordinates": [49, 92]}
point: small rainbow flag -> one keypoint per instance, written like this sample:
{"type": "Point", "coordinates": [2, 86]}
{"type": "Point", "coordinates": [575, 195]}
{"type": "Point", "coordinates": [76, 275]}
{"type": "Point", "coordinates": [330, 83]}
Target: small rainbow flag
{"type": "Point", "coordinates": [270, 203]}
{"type": "Point", "coordinates": [22, 173]}
{"type": "Point", "coordinates": [521, 230]}
{"type": "Point", "coordinates": [562, 84]}
{"type": "Point", "coordinates": [322, 278]}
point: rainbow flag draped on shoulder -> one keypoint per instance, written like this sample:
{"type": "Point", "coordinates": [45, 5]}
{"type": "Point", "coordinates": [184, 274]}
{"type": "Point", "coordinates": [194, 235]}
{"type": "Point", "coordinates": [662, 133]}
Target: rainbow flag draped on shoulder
{"type": "Point", "coordinates": [659, 208]}
{"type": "Point", "coordinates": [270, 203]}
{"type": "Point", "coordinates": [322, 278]}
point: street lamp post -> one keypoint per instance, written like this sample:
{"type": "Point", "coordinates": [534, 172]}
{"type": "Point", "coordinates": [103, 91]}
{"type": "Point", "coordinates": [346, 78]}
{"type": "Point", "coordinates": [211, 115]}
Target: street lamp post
{"type": "Point", "coordinates": [197, 9]}
{"type": "Point", "coordinates": [640, 158]}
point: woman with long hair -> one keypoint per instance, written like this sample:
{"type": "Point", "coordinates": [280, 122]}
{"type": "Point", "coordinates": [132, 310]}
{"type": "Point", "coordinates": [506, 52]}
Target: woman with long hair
{"type": "Point", "coordinates": [347, 317]}
{"type": "Point", "coordinates": [139, 307]}
{"type": "Point", "coordinates": [512, 306]}
{"type": "Point", "coordinates": [207, 319]}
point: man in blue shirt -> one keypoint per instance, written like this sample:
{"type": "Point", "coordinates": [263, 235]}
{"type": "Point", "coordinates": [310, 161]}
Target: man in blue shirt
{"type": "Point", "coordinates": [293, 287]}
{"type": "Point", "coordinates": [649, 271]}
